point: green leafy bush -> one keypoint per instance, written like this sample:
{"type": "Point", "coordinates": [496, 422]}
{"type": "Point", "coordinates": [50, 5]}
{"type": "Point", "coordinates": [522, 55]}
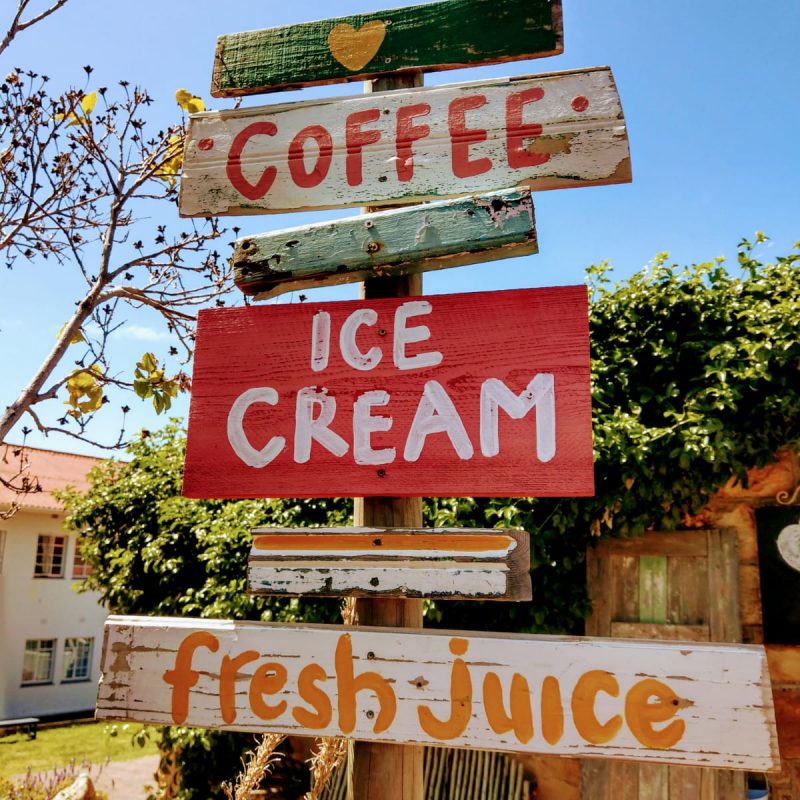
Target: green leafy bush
{"type": "Point", "coordinates": [695, 378]}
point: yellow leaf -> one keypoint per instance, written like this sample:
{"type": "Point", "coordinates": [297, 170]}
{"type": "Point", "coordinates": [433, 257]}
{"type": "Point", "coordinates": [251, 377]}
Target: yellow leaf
{"type": "Point", "coordinates": [72, 118]}
{"type": "Point", "coordinates": [77, 337]}
{"type": "Point", "coordinates": [88, 102]}
{"type": "Point", "coordinates": [189, 102]}
{"type": "Point", "coordinates": [182, 96]}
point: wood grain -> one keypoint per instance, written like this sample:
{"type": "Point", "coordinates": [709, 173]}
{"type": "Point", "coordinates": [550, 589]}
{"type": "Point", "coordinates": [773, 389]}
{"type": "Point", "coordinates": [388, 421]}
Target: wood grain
{"type": "Point", "coordinates": [429, 38]}
{"type": "Point", "coordinates": [690, 579]}
{"type": "Point", "coordinates": [397, 242]}
{"type": "Point", "coordinates": [669, 632]}
{"type": "Point", "coordinates": [552, 131]}
{"type": "Point", "coordinates": [249, 676]}
{"type": "Point", "coordinates": [391, 562]}
{"type": "Point", "coordinates": [510, 337]}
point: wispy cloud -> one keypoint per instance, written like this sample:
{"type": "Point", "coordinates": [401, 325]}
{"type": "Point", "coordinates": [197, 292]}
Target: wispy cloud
{"type": "Point", "coordinates": [141, 333]}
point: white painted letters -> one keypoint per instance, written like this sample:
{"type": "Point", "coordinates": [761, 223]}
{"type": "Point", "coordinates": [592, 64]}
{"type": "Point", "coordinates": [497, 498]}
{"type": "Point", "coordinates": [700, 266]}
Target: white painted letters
{"type": "Point", "coordinates": [236, 435]}
{"type": "Point", "coordinates": [540, 393]}
{"type": "Point", "coordinates": [437, 414]}
{"type": "Point", "coordinates": [308, 428]}
{"type": "Point", "coordinates": [363, 426]}
{"type": "Point", "coordinates": [419, 333]}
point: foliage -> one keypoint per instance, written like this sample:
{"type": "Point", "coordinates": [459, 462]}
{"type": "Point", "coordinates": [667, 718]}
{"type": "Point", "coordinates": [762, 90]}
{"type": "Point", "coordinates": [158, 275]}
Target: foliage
{"type": "Point", "coordinates": [696, 377]}
{"type": "Point", "coordinates": [44, 786]}
{"type": "Point", "coordinates": [83, 185]}
{"type": "Point", "coordinates": [155, 552]}
{"type": "Point", "coordinates": [79, 175]}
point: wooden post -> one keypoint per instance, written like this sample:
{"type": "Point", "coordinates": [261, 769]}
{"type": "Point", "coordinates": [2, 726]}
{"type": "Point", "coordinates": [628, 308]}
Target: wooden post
{"type": "Point", "coordinates": [389, 771]}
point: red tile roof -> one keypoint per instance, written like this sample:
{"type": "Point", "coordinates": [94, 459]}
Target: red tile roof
{"type": "Point", "coordinates": [53, 469]}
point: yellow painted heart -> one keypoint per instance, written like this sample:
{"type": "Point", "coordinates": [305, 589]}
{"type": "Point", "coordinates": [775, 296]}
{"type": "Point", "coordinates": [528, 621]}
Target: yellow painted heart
{"type": "Point", "coordinates": [353, 48]}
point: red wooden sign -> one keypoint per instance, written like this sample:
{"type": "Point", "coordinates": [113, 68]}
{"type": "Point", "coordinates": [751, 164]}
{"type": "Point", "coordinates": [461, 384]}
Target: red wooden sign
{"type": "Point", "coordinates": [473, 394]}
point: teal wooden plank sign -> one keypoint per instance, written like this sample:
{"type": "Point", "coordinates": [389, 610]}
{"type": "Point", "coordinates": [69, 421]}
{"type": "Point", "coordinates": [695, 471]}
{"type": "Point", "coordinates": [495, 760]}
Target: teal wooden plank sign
{"type": "Point", "coordinates": [430, 37]}
{"type": "Point", "coordinates": [396, 242]}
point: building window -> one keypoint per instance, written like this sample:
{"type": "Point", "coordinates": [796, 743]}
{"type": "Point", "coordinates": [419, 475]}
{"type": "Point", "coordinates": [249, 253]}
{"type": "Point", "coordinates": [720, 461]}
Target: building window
{"type": "Point", "coordinates": [50, 551]}
{"type": "Point", "coordinates": [37, 665]}
{"type": "Point", "coordinates": [77, 658]}
{"type": "Point", "coordinates": [80, 569]}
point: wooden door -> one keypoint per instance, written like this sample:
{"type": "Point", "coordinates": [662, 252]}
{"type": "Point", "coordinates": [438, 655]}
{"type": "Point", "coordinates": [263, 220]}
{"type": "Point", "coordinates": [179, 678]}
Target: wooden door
{"type": "Point", "coordinates": [681, 585]}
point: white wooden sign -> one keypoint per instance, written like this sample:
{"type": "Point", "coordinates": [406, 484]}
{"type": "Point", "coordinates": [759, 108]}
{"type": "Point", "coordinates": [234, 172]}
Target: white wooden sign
{"type": "Point", "coordinates": [708, 705]}
{"type": "Point", "coordinates": [545, 132]}
{"type": "Point", "coordinates": [448, 563]}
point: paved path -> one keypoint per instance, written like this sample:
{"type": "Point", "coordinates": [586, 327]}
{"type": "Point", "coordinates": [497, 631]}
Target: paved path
{"type": "Point", "coordinates": [123, 780]}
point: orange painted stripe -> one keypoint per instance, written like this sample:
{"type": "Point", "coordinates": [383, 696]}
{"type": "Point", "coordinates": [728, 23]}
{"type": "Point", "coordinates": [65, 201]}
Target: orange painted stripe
{"type": "Point", "coordinates": [462, 543]}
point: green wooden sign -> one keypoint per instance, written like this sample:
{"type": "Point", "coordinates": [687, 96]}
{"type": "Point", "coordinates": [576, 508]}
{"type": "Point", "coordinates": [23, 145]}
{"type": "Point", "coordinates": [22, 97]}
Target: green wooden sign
{"type": "Point", "coordinates": [430, 37]}
{"type": "Point", "coordinates": [397, 242]}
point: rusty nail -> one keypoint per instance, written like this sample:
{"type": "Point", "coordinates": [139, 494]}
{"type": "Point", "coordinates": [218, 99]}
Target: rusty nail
{"type": "Point", "coordinates": [373, 247]}
{"type": "Point", "coordinates": [381, 473]}
{"type": "Point", "coordinates": [370, 713]}
{"type": "Point", "coordinates": [382, 332]}
{"type": "Point", "coordinates": [370, 654]}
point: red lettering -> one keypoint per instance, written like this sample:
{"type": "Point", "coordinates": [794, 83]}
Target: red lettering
{"type": "Point", "coordinates": [297, 164]}
{"type": "Point", "coordinates": [516, 133]}
{"type": "Point", "coordinates": [461, 137]}
{"type": "Point", "coordinates": [233, 168]}
{"type": "Point", "coordinates": [407, 134]}
{"type": "Point", "coordinates": [355, 139]}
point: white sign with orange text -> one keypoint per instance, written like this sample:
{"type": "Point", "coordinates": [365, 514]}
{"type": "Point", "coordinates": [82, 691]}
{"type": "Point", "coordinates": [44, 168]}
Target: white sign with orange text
{"type": "Point", "coordinates": [671, 702]}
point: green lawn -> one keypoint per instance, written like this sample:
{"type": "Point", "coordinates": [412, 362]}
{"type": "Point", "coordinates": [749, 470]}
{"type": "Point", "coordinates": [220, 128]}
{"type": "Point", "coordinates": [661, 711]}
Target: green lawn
{"type": "Point", "coordinates": [56, 747]}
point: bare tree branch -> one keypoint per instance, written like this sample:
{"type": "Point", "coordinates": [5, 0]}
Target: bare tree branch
{"type": "Point", "coordinates": [79, 178]}
{"type": "Point", "coordinates": [18, 25]}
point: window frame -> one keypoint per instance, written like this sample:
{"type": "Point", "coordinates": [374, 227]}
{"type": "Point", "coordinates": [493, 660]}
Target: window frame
{"type": "Point", "coordinates": [80, 569]}
{"type": "Point", "coordinates": [38, 681]}
{"type": "Point", "coordinates": [82, 657]}
{"type": "Point", "coordinates": [47, 545]}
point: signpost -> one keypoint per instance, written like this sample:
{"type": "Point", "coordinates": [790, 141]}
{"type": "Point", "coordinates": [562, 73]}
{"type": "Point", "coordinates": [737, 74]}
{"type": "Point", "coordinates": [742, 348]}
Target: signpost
{"type": "Point", "coordinates": [481, 394]}
{"type": "Point", "coordinates": [555, 131]}
{"type": "Point", "coordinates": [665, 702]}
{"type": "Point", "coordinates": [397, 396]}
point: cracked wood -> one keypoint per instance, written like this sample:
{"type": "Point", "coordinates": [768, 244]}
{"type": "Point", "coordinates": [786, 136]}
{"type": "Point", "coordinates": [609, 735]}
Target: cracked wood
{"type": "Point", "coordinates": [446, 563]}
{"type": "Point", "coordinates": [551, 131]}
{"type": "Point", "coordinates": [684, 703]}
{"type": "Point", "coordinates": [396, 242]}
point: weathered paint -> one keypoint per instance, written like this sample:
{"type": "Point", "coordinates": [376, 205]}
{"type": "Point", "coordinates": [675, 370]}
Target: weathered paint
{"type": "Point", "coordinates": [396, 242]}
{"type": "Point", "coordinates": [430, 37]}
{"type": "Point", "coordinates": [482, 394]}
{"type": "Point", "coordinates": [446, 563]}
{"type": "Point", "coordinates": [541, 132]}
{"type": "Point", "coordinates": [665, 702]}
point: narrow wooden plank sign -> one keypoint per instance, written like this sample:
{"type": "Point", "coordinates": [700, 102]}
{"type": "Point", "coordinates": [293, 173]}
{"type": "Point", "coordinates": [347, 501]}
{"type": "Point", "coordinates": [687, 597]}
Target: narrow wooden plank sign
{"type": "Point", "coordinates": [542, 132]}
{"type": "Point", "coordinates": [396, 242]}
{"type": "Point", "coordinates": [446, 563]}
{"type": "Point", "coordinates": [671, 702]}
{"type": "Point", "coordinates": [485, 394]}
{"type": "Point", "coordinates": [430, 37]}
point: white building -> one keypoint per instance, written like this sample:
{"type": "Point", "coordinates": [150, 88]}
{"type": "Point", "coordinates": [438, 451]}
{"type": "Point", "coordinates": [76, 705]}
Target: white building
{"type": "Point", "coordinates": [51, 635]}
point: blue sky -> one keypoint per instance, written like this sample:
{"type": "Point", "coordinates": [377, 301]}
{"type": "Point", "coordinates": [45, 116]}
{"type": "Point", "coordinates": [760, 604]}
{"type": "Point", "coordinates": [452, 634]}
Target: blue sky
{"type": "Point", "coordinates": [709, 89]}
